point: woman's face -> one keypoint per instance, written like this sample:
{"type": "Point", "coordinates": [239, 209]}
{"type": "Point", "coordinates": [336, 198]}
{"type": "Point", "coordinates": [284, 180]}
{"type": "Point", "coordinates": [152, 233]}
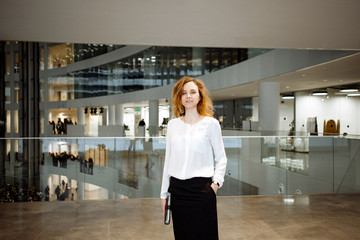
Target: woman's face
{"type": "Point", "coordinates": [190, 96]}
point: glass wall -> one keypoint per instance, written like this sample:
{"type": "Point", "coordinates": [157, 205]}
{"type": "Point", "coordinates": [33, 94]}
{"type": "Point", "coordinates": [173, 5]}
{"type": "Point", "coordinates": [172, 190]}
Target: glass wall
{"type": "Point", "coordinates": [108, 168]}
{"type": "Point", "coordinates": [154, 67]}
{"type": "Point", "coordinates": [62, 54]}
{"type": "Point", "coordinates": [61, 88]}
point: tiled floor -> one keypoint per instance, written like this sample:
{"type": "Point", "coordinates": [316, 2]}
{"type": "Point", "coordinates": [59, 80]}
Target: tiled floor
{"type": "Point", "coordinates": [253, 217]}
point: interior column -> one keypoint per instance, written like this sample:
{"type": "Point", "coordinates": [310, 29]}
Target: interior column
{"type": "Point", "coordinates": [153, 117]}
{"type": "Point", "coordinates": [269, 107]}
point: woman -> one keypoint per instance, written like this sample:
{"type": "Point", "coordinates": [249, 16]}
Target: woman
{"type": "Point", "coordinates": [193, 143]}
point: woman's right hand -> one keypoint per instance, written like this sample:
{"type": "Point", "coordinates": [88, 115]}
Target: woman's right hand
{"type": "Point", "coordinates": [163, 204]}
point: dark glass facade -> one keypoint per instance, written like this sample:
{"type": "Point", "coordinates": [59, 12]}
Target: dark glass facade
{"type": "Point", "coordinates": [154, 67]}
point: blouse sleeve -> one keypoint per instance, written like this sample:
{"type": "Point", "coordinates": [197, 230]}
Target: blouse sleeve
{"type": "Point", "coordinates": [166, 177]}
{"type": "Point", "coordinates": [219, 153]}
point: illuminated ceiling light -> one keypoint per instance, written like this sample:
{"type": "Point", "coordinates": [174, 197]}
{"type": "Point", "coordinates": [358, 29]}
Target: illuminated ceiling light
{"type": "Point", "coordinates": [348, 90]}
{"type": "Point", "coordinates": [353, 95]}
{"type": "Point", "coordinates": [319, 93]}
{"type": "Point", "coordinates": [288, 97]}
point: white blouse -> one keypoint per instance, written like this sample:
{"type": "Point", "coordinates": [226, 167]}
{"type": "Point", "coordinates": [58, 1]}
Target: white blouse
{"type": "Point", "coordinates": [191, 150]}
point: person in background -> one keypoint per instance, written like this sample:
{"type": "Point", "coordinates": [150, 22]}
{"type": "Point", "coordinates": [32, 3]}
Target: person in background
{"type": "Point", "coordinates": [195, 162]}
{"type": "Point", "coordinates": [142, 123]}
{"type": "Point", "coordinates": [47, 193]}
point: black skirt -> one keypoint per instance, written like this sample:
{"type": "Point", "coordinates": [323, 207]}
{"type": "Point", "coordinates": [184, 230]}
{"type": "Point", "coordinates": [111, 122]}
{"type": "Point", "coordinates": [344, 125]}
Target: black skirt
{"type": "Point", "coordinates": [193, 206]}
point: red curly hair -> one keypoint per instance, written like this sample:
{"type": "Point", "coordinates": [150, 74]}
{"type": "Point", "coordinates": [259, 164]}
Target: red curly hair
{"type": "Point", "coordinates": [205, 105]}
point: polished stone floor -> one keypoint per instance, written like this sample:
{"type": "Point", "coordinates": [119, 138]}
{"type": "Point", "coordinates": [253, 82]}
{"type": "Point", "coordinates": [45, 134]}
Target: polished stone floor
{"type": "Point", "coordinates": [244, 217]}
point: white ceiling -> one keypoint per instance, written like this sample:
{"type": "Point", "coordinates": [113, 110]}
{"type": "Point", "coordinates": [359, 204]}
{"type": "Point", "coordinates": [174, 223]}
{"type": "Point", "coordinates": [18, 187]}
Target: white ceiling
{"type": "Point", "coordinates": [291, 24]}
{"type": "Point", "coordinates": [342, 71]}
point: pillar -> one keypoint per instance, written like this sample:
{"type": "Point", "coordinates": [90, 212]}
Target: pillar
{"type": "Point", "coordinates": [80, 190]}
{"type": "Point", "coordinates": [269, 107]}
{"type": "Point", "coordinates": [153, 117]}
{"type": "Point", "coordinates": [119, 114]}
{"type": "Point", "coordinates": [81, 116]}
{"type": "Point", "coordinates": [112, 113]}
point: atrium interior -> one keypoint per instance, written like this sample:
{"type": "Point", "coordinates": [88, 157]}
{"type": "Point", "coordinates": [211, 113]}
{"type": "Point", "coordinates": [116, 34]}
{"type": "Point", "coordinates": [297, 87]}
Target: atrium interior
{"type": "Point", "coordinates": [85, 106]}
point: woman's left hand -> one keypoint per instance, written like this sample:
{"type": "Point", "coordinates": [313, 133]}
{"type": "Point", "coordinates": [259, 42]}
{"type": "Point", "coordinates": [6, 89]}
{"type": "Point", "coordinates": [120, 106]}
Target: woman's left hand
{"type": "Point", "coordinates": [215, 187]}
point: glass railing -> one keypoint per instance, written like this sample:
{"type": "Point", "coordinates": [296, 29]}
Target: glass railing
{"type": "Point", "coordinates": [65, 169]}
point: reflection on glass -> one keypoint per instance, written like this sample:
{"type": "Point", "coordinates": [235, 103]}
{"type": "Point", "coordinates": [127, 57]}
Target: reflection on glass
{"type": "Point", "coordinates": [290, 153]}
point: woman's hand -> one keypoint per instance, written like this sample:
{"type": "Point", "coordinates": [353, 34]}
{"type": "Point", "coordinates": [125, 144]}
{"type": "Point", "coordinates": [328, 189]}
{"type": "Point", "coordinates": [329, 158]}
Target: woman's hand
{"type": "Point", "coordinates": [215, 187]}
{"type": "Point", "coordinates": [163, 204]}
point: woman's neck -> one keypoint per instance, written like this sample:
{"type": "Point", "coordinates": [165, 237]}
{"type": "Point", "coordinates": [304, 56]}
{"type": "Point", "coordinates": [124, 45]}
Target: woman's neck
{"type": "Point", "coordinates": [192, 117]}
